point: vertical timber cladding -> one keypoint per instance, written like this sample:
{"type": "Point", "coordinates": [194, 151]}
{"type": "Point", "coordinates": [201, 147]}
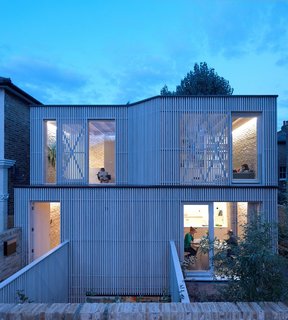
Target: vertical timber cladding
{"type": "Point", "coordinates": [184, 116]}
{"type": "Point", "coordinates": [144, 133]}
{"type": "Point", "coordinates": [77, 116]}
{"type": "Point", "coordinates": [150, 137]}
{"type": "Point", "coordinates": [119, 236]}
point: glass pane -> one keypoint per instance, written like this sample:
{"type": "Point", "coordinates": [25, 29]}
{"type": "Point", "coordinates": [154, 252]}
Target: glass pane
{"type": "Point", "coordinates": [50, 151]}
{"type": "Point", "coordinates": [101, 151]}
{"type": "Point", "coordinates": [229, 221]}
{"type": "Point", "coordinates": [196, 227]}
{"type": "Point", "coordinates": [244, 139]}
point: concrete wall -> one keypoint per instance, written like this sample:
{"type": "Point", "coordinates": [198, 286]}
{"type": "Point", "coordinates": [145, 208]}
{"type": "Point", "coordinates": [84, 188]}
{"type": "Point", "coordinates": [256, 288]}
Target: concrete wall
{"type": "Point", "coordinates": [17, 145]}
{"type": "Point", "coordinates": [10, 264]}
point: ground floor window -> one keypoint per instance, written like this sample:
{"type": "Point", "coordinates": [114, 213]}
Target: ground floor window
{"type": "Point", "coordinates": [205, 222]}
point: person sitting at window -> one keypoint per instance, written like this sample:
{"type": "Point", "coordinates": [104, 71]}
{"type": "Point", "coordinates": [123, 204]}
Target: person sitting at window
{"type": "Point", "coordinates": [103, 176]}
{"type": "Point", "coordinates": [244, 168]}
{"type": "Point", "coordinates": [232, 243]}
{"type": "Point", "coordinates": [188, 241]}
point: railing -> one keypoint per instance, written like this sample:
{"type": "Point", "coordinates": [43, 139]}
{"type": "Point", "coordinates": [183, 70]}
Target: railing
{"type": "Point", "coordinates": [44, 280]}
{"type": "Point", "coordinates": [178, 288]}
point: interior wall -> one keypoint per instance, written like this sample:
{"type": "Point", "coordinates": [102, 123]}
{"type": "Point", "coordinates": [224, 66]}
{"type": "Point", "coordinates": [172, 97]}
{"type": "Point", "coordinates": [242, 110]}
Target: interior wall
{"type": "Point", "coordinates": [96, 161]}
{"type": "Point", "coordinates": [54, 224]}
{"type": "Point", "coordinates": [109, 158]}
{"type": "Point", "coordinates": [245, 146]}
{"type": "Point", "coordinates": [101, 155]}
{"type": "Point", "coordinates": [46, 227]}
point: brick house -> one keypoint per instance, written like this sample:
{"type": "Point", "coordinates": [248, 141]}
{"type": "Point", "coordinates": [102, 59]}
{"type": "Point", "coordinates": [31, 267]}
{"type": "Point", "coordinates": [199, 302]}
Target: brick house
{"type": "Point", "coordinates": [14, 165]}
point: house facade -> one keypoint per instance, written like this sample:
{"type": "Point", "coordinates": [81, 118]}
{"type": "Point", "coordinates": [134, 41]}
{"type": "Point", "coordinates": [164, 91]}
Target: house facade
{"type": "Point", "coordinates": [173, 162]}
{"type": "Point", "coordinates": [14, 168]}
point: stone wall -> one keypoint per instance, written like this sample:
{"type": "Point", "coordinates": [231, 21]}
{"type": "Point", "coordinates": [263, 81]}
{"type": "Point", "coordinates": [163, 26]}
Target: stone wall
{"type": "Point", "coordinates": [17, 145]}
{"type": "Point", "coordinates": [10, 264]}
{"type": "Point", "coordinates": [139, 311]}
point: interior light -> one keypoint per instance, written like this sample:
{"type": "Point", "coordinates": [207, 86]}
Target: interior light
{"type": "Point", "coordinates": [245, 127]}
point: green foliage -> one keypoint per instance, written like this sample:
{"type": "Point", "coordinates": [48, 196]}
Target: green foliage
{"type": "Point", "coordinates": [282, 198]}
{"type": "Point", "coordinates": [22, 298]}
{"type": "Point", "coordinates": [52, 155]}
{"type": "Point", "coordinates": [201, 81]}
{"type": "Point", "coordinates": [255, 271]}
{"type": "Point", "coordinates": [283, 230]}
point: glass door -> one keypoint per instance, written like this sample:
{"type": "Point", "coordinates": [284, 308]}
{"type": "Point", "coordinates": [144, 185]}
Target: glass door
{"type": "Point", "coordinates": [198, 233]}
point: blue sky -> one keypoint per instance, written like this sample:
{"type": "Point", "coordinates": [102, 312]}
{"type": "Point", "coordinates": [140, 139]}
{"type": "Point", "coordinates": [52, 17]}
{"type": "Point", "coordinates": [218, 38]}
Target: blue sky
{"type": "Point", "coordinates": [109, 52]}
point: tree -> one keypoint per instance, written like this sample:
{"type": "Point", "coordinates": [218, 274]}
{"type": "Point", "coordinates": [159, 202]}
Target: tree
{"type": "Point", "coordinates": [201, 81]}
{"type": "Point", "coordinates": [255, 272]}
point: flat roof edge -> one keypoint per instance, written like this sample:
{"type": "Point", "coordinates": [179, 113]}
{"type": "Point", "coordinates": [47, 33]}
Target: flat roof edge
{"type": "Point", "coordinates": [154, 98]}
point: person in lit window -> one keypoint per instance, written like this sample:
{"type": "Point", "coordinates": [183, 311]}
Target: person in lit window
{"type": "Point", "coordinates": [188, 242]}
{"type": "Point", "coordinates": [245, 168]}
{"type": "Point", "coordinates": [103, 176]}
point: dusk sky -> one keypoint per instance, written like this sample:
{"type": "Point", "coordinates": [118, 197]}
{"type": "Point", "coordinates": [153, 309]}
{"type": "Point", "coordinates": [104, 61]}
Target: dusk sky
{"type": "Point", "coordinates": [112, 52]}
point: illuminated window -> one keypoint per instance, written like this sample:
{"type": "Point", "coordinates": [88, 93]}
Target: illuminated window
{"type": "Point", "coordinates": [245, 150]}
{"type": "Point", "coordinates": [226, 216]}
{"type": "Point", "coordinates": [101, 151]}
{"type": "Point", "coordinates": [50, 151]}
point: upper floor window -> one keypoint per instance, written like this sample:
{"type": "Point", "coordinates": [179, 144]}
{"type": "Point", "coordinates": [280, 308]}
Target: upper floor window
{"type": "Point", "coordinates": [101, 151]}
{"type": "Point", "coordinates": [50, 151]}
{"type": "Point", "coordinates": [282, 173]}
{"type": "Point", "coordinates": [204, 148]}
{"type": "Point", "coordinates": [245, 147]}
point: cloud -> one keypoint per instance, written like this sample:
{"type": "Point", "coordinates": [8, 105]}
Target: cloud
{"type": "Point", "coordinates": [44, 73]}
{"type": "Point", "coordinates": [143, 77]}
{"type": "Point", "coordinates": [237, 28]}
{"type": "Point", "coordinates": [282, 61]}
{"type": "Point", "coordinates": [44, 80]}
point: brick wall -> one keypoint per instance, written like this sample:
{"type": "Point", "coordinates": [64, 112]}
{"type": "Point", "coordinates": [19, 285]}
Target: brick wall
{"type": "Point", "coordinates": [17, 145]}
{"type": "Point", "coordinates": [54, 225]}
{"type": "Point", "coordinates": [10, 264]}
{"type": "Point", "coordinates": [245, 149]}
{"type": "Point", "coordinates": [196, 311]}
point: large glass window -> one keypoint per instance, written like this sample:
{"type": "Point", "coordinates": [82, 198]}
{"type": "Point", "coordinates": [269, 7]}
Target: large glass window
{"type": "Point", "coordinates": [101, 151]}
{"type": "Point", "coordinates": [245, 149]}
{"type": "Point", "coordinates": [206, 222]}
{"type": "Point", "coordinates": [50, 151]}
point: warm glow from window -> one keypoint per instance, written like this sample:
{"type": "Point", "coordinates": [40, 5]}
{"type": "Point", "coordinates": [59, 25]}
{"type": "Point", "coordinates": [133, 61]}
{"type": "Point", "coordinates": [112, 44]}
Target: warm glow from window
{"type": "Point", "coordinates": [245, 127]}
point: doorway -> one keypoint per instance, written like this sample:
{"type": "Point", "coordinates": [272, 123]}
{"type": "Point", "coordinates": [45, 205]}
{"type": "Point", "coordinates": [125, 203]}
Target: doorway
{"type": "Point", "coordinates": [45, 228]}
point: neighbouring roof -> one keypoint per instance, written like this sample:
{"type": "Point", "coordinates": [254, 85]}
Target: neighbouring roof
{"type": "Point", "coordinates": [8, 85]}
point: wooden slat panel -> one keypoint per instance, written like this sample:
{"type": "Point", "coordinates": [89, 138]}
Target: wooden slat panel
{"type": "Point", "coordinates": [119, 236]}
